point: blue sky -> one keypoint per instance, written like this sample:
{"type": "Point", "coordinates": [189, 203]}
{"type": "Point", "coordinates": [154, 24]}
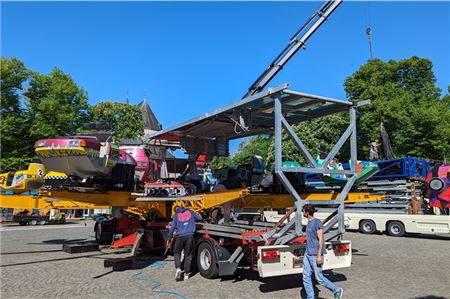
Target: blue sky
{"type": "Point", "coordinates": [193, 57]}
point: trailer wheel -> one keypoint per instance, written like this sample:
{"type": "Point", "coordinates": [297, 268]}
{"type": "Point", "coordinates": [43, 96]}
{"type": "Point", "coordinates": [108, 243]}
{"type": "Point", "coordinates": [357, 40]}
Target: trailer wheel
{"type": "Point", "coordinates": [207, 261]}
{"type": "Point", "coordinates": [396, 229]}
{"type": "Point", "coordinates": [22, 222]}
{"type": "Point", "coordinates": [33, 222]}
{"type": "Point", "coordinates": [102, 236]}
{"type": "Point", "coordinates": [42, 222]}
{"type": "Point", "coordinates": [367, 226]}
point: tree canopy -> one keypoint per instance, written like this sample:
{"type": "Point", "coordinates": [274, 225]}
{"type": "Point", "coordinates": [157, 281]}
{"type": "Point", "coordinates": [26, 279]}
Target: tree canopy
{"type": "Point", "coordinates": [125, 120]}
{"type": "Point", "coordinates": [404, 97]}
{"type": "Point", "coordinates": [55, 105]}
{"type": "Point", "coordinates": [14, 126]}
{"type": "Point", "coordinates": [244, 154]}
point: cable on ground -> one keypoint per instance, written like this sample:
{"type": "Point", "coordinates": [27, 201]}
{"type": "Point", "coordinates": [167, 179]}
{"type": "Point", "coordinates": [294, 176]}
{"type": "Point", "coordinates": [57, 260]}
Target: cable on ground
{"type": "Point", "coordinates": [155, 283]}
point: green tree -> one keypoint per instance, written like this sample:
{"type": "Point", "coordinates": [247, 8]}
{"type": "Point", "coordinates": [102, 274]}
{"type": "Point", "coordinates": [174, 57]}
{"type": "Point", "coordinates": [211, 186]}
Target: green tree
{"type": "Point", "coordinates": [318, 136]}
{"type": "Point", "coordinates": [219, 162]}
{"type": "Point", "coordinates": [56, 105]}
{"type": "Point", "coordinates": [245, 152]}
{"type": "Point", "coordinates": [405, 99]}
{"type": "Point", "coordinates": [248, 147]}
{"type": "Point", "coordinates": [125, 120]}
{"type": "Point", "coordinates": [14, 128]}
{"type": "Point", "coordinates": [35, 106]}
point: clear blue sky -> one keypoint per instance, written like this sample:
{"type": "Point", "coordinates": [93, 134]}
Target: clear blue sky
{"type": "Point", "coordinates": [191, 58]}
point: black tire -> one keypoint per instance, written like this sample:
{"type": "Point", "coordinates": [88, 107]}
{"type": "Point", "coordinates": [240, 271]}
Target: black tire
{"type": "Point", "coordinates": [396, 229]}
{"type": "Point", "coordinates": [367, 226]}
{"type": "Point", "coordinates": [207, 261]}
{"type": "Point", "coordinates": [103, 234]}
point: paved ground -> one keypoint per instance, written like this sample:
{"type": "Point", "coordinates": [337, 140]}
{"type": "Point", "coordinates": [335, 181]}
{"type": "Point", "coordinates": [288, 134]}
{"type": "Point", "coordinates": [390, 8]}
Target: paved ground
{"type": "Point", "coordinates": [32, 265]}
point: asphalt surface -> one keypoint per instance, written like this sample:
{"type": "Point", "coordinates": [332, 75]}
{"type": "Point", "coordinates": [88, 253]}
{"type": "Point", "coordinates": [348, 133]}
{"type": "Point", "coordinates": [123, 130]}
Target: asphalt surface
{"type": "Point", "coordinates": [33, 265]}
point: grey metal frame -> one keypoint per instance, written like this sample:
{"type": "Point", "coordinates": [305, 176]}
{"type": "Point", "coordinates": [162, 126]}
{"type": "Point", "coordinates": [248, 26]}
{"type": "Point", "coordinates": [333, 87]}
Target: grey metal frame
{"type": "Point", "coordinates": [285, 234]}
{"type": "Point", "coordinates": [267, 116]}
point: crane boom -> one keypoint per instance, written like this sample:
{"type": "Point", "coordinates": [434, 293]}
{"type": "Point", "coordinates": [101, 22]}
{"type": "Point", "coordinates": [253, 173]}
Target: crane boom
{"type": "Point", "coordinates": [297, 41]}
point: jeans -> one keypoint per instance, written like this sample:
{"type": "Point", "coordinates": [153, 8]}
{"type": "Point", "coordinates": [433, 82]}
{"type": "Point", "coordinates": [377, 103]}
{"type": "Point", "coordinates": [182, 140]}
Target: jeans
{"type": "Point", "coordinates": [185, 243]}
{"type": "Point", "coordinates": [310, 265]}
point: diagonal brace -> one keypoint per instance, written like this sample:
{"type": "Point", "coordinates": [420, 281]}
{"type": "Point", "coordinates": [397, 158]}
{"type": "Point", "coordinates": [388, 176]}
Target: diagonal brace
{"type": "Point", "coordinates": [300, 146]}
{"type": "Point", "coordinates": [338, 145]}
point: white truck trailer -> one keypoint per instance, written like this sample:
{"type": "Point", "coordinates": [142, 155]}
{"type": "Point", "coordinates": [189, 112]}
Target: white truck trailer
{"type": "Point", "coordinates": [393, 223]}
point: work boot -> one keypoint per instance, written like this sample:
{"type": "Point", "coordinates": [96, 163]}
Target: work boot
{"type": "Point", "coordinates": [178, 275]}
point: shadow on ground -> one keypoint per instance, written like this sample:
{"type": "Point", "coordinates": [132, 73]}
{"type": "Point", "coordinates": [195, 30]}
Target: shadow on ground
{"type": "Point", "coordinates": [59, 241]}
{"type": "Point", "coordinates": [28, 252]}
{"type": "Point", "coordinates": [273, 284]}
{"type": "Point", "coordinates": [96, 254]}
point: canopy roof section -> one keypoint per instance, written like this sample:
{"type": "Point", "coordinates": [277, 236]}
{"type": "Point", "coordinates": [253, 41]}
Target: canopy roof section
{"type": "Point", "coordinates": [210, 133]}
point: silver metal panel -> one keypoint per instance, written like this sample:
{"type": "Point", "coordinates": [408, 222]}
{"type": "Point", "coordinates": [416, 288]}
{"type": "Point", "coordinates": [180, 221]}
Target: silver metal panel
{"type": "Point", "coordinates": [285, 228]}
{"type": "Point", "coordinates": [223, 228]}
{"type": "Point", "coordinates": [330, 224]}
{"type": "Point", "coordinates": [257, 114]}
{"type": "Point", "coordinates": [332, 234]}
{"type": "Point", "coordinates": [285, 238]}
{"type": "Point", "coordinates": [245, 223]}
{"type": "Point", "coordinates": [235, 254]}
{"type": "Point", "coordinates": [221, 234]}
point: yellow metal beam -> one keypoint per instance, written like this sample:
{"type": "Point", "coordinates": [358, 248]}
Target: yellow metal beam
{"type": "Point", "coordinates": [199, 202]}
{"type": "Point", "coordinates": [107, 198]}
{"type": "Point", "coordinates": [281, 201]}
{"type": "Point", "coordinates": [242, 198]}
{"type": "Point", "coordinates": [209, 200]}
{"type": "Point", "coordinates": [20, 201]}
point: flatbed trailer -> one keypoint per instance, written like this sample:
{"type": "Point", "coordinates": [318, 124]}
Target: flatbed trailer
{"type": "Point", "coordinates": [220, 249]}
{"type": "Point", "coordinates": [36, 220]}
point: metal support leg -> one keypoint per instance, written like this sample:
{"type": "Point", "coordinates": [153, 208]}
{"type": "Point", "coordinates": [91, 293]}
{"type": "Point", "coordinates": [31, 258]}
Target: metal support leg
{"type": "Point", "coordinates": [278, 148]}
{"type": "Point", "coordinates": [298, 218]}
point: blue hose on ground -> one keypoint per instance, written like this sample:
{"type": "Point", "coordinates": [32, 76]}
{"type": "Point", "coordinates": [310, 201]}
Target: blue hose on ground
{"type": "Point", "coordinates": [155, 283]}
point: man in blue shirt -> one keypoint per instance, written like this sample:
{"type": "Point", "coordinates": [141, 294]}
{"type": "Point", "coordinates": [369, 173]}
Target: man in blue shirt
{"type": "Point", "coordinates": [314, 255]}
{"type": "Point", "coordinates": [184, 223]}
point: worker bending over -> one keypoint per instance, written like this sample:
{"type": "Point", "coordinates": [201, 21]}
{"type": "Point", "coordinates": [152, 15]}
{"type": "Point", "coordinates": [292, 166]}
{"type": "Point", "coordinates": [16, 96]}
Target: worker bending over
{"type": "Point", "coordinates": [184, 224]}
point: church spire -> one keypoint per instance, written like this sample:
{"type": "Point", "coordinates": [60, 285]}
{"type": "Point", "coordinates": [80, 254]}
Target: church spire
{"type": "Point", "coordinates": [151, 123]}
